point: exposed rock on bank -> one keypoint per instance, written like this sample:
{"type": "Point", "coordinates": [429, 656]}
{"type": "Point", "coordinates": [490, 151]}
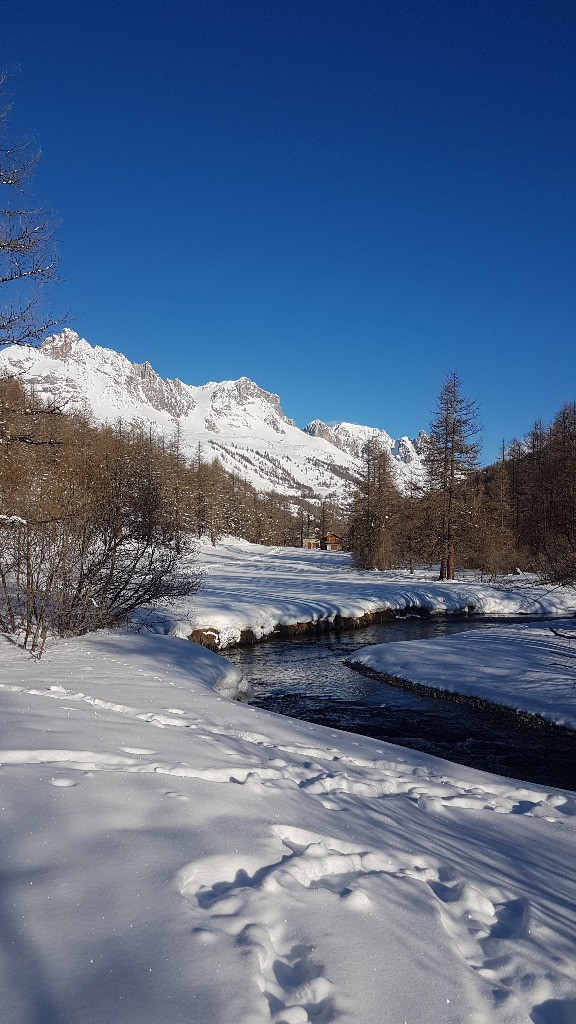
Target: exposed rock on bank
{"type": "Point", "coordinates": [216, 640]}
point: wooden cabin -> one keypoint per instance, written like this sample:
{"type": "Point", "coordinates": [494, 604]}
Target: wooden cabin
{"type": "Point", "coordinates": [331, 542]}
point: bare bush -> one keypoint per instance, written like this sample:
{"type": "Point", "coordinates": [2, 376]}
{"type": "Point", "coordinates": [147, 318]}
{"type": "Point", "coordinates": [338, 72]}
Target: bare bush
{"type": "Point", "coordinates": [88, 528]}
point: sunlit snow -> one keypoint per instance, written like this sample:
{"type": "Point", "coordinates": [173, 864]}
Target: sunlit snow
{"type": "Point", "coordinates": [172, 855]}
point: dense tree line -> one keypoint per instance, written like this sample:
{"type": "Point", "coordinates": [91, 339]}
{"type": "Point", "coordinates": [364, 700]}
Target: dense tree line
{"type": "Point", "coordinates": [517, 513]}
{"type": "Point", "coordinates": [541, 473]}
{"type": "Point", "coordinates": [94, 519]}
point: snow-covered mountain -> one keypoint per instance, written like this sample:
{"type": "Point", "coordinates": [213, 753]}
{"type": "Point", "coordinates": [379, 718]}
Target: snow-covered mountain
{"type": "Point", "coordinates": [353, 438]}
{"type": "Point", "coordinates": [235, 420]}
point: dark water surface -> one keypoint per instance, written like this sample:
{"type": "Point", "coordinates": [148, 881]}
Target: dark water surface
{"type": "Point", "coordinates": [306, 678]}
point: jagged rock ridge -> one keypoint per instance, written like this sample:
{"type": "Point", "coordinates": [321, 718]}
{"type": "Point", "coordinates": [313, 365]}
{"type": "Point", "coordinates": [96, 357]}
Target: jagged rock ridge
{"type": "Point", "coordinates": [236, 421]}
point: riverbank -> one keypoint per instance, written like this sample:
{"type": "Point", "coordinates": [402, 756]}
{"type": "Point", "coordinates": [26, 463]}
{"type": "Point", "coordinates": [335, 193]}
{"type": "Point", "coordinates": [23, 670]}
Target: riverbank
{"type": "Point", "coordinates": [525, 668]}
{"type": "Point", "coordinates": [251, 592]}
{"type": "Point", "coordinates": [217, 640]}
{"type": "Point", "coordinates": [311, 678]}
{"type": "Point", "coordinates": [531, 720]}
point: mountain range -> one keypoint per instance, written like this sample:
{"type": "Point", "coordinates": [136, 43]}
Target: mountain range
{"type": "Point", "coordinates": [234, 420]}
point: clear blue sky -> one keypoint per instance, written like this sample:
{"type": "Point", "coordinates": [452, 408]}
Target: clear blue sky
{"type": "Point", "coordinates": [341, 199]}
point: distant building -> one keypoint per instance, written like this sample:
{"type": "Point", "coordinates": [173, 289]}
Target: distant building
{"type": "Point", "coordinates": [331, 542]}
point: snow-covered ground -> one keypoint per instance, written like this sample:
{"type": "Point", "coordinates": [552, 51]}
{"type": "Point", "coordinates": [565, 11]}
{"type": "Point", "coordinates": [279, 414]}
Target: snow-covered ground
{"type": "Point", "coordinates": [171, 855]}
{"type": "Point", "coordinates": [248, 586]}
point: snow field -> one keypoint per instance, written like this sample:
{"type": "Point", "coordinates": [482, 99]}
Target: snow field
{"type": "Point", "coordinates": [170, 854]}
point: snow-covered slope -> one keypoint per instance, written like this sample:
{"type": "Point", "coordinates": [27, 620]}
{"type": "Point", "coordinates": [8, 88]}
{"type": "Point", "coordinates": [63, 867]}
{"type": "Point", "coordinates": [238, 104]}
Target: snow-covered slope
{"type": "Point", "coordinates": [235, 421]}
{"type": "Point", "coordinates": [170, 855]}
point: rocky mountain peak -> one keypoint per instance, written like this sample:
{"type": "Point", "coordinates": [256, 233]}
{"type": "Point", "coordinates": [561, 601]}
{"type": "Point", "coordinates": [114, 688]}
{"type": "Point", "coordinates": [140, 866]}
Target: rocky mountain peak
{"type": "Point", "coordinates": [234, 397]}
{"type": "Point", "coordinates": [236, 421]}
{"type": "Point", "coordinates": [317, 428]}
{"type": "Point", "coordinates": [64, 345]}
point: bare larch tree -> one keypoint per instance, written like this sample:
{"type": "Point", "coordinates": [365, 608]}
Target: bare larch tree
{"type": "Point", "coordinates": [28, 259]}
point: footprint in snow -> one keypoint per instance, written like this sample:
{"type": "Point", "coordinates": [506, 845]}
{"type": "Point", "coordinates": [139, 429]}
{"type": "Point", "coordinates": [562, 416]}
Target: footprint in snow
{"type": "Point", "coordinates": [492, 930]}
{"type": "Point", "coordinates": [290, 981]}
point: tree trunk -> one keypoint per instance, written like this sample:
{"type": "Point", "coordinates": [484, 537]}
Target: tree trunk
{"type": "Point", "coordinates": [450, 566]}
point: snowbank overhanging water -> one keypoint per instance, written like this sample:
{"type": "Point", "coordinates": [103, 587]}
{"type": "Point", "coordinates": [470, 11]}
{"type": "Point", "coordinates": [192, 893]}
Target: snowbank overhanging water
{"type": "Point", "coordinates": [252, 591]}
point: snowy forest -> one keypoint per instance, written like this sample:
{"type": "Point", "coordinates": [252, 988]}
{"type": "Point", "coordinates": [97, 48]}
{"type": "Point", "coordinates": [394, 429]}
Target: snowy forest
{"type": "Point", "coordinates": [518, 513]}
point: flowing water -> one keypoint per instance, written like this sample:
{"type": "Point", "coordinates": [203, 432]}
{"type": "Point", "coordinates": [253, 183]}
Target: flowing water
{"type": "Point", "coordinates": [306, 678]}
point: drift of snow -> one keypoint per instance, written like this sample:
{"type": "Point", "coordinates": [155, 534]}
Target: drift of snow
{"type": "Point", "coordinates": [171, 855]}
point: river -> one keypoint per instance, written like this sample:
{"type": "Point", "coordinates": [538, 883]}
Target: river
{"type": "Point", "coordinates": [306, 678]}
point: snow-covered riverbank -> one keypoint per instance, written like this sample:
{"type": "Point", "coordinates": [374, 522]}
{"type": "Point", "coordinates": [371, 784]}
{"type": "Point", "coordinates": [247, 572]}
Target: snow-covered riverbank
{"type": "Point", "coordinates": [169, 854]}
{"type": "Point", "coordinates": [255, 589]}
{"type": "Point", "coordinates": [522, 667]}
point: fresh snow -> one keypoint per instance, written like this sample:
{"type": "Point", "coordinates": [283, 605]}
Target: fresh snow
{"type": "Point", "coordinates": [173, 855]}
{"type": "Point", "coordinates": [250, 586]}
